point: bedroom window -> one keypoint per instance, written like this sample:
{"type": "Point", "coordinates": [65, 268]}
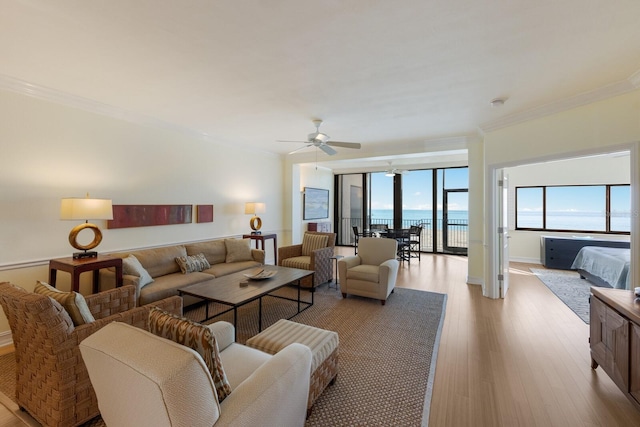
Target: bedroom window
{"type": "Point", "coordinates": [574, 208]}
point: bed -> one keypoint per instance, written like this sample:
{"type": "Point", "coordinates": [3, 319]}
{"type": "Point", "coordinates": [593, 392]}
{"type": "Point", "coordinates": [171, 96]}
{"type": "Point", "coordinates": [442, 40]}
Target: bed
{"type": "Point", "coordinates": [604, 266]}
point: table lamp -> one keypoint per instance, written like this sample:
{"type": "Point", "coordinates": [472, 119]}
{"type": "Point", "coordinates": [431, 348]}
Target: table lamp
{"type": "Point", "coordinates": [85, 209]}
{"type": "Point", "coordinates": [254, 208]}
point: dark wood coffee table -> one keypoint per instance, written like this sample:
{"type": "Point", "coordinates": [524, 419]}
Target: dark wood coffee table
{"type": "Point", "coordinates": [227, 290]}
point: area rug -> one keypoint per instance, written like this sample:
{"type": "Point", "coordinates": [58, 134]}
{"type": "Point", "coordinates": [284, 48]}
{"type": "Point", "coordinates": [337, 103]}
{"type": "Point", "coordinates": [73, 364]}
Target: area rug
{"type": "Point", "coordinates": [387, 354]}
{"type": "Point", "coordinates": [569, 287]}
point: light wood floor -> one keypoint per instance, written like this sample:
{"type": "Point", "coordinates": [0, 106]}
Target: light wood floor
{"type": "Point", "coordinates": [521, 361]}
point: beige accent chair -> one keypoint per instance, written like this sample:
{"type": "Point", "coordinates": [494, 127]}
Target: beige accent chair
{"type": "Point", "coordinates": [373, 272]}
{"type": "Point", "coordinates": [145, 380]}
{"type": "Point", "coordinates": [314, 253]}
{"type": "Point", "coordinates": [52, 383]}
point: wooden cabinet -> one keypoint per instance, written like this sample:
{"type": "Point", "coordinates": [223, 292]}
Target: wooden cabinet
{"type": "Point", "coordinates": [324, 227]}
{"type": "Point", "coordinates": [634, 368]}
{"type": "Point", "coordinates": [559, 252]}
{"type": "Point", "coordinates": [615, 338]}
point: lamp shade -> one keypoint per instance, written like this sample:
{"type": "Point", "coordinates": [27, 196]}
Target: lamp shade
{"type": "Point", "coordinates": [85, 209]}
{"type": "Point", "coordinates": [254, 208]}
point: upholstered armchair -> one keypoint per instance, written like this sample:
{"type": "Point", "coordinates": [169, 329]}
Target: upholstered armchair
{"type": "Point", "coordinates": [314, 253]}
{"type": "Point", "coordinates": [52, 383]}
{"type": "Point", "coordinates": [169, 384]}
{"type": "Point", "coordinates": [373, 272]}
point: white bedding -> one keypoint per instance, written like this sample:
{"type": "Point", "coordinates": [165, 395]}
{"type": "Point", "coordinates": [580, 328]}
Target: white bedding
{"type": "Point", "coordinates": [609, 264]}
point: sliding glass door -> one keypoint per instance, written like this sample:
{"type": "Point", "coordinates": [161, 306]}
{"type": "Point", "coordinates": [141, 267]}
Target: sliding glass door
{"type": "Point", "coordinates": [434, 199]}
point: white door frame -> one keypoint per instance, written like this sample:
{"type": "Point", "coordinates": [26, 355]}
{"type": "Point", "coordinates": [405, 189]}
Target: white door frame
{"type": "Point", "coordinates": [491, 287]}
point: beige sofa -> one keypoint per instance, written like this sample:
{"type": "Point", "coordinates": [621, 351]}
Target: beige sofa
{"type": "Point", "coordinates": [144, 380]}
{"type": "Point", "coordinates": [167, 276]}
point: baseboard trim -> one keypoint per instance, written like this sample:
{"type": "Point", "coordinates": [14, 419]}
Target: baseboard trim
{"type": "Point", "coordinates": [6, 339]}
{"type": "Point", "coordinates": [526, 260]}
{"type": "Point", "coordinates": [475, 280]}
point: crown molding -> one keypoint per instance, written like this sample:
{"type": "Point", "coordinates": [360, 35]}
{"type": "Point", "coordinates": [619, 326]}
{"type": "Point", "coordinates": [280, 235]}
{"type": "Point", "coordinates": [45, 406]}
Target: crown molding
{"type": "Point", "coordinates": [619, 88]}
{"type": "Point", "coordinates": [85, 104]}
{"type": "Point", "coordinates": [47, 94]}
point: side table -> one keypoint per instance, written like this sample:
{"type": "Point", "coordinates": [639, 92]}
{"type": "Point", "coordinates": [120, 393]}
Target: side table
{"type": "Point", "coordinates": [335, 259]}
{"type": "Point", "coordinates": [261, 238]}
{"type": "Point", "coordinates": [77, 266]}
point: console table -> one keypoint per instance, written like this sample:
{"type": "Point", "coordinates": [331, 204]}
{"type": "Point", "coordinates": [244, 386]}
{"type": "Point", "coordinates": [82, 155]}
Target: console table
{"type": "Point", "coordinates": [615, 338]}
{"type": "Point", "coordinates": [559, 252]}
{"type": "Point", "coordinates": [78, 266]}
{"type": "Point", "coordinates": [261, 238]}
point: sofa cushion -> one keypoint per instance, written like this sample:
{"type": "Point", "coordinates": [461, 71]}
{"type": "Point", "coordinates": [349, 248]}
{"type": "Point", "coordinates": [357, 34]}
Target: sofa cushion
{"type": "Point", "coordinates": [238, 250]}
{"type": "Point", "coordinates": [368, 273]}
{"type": "Point", "coordinates": [311, 242]}
{"type": "Point", "coordinates": [241, 361]}
{"type": "Point", "coordinates": [73, 302]}
{"type": "Point", "coordinates": [303, 262]}
{"type": "Point", "coordinates": [161, 261]}
{"type": "Point", "coordinates": [192, 263]}
{"type": "Point", "coordinates": [232, 267]}
{"type": "Point", "coordinates": [131, 265]}
{"type": "Point", "coordinates": [168, 285]}
{"type": "Point", "coordinates": [196, 336]}
{"type": "Point", "coordinates": [214, 250]}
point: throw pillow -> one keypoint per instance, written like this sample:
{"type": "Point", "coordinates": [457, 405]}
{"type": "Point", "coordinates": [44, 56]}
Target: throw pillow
{"type": "Point", "coordinates": [238, 250]}
{"type": "Point", "coordinates": [311, 242]}
{"type": "Point", "coordinates": [195, 336]}
{"type": "Point", "coordinates": [191, 263]}
{"type": "Point", "coordinates": [131, 265]}
{"type": "Point", "coordinates": [73, 302]}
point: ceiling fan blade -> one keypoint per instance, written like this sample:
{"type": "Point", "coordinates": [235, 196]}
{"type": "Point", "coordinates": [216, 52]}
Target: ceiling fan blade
{"type": "Point", "coordinates": [301, 148]}
{"type": "Point", "coordinates": [344, 144]}
{"type": "Point", "coordinates": [281, 140]}
{"type": "Point", "coordinates": [330, 151]}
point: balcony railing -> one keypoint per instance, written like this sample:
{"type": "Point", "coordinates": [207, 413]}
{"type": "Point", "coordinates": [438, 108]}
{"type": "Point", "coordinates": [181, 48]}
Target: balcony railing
{"type": "Point", "coordinates": [457, 235]}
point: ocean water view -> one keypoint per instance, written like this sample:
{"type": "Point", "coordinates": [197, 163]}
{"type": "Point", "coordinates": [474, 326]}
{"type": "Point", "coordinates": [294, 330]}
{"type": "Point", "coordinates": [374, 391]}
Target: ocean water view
{"type": "Point", "coordinates": [589, 221]}
{"type": "Point", "coordinates": [417, 215]}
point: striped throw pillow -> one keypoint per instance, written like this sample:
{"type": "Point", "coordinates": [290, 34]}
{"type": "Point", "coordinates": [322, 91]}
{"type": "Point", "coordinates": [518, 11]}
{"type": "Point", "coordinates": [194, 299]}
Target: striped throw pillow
{"type": "Point", "coordinates": [195, 336]}
{"type": "Point", "coordinates": [311, 242]}
{"type": "Point", "coordinates": [73, 302]}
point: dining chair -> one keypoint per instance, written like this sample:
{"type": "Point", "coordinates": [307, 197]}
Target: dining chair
{"type": "Point", "coordinates": [357, 236]}
{"type": "Point", "coordinates": [415, 240]}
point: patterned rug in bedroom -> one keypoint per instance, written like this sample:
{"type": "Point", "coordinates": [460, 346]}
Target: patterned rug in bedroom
{"type": "Point", "coordinates": [569, 287]}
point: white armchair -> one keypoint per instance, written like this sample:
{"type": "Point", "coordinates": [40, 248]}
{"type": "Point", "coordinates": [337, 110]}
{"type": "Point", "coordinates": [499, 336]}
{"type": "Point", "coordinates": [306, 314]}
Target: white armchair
{"type": "Point", "coordinates": [373, 272]}
{"type": "Point", "coordinates": [141, 379]}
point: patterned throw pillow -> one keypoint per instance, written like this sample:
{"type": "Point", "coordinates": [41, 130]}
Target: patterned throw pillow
{"type": "Point", "coordinates": [238, 250]}
{"type": "Point", "coordinates": [311, 242]}
{"type": "Point", "coordinates": [191, 263]}
{"type": "Point", "coordinates": [131, 265]}
{"type": "Point", "coordinates": [195, 336]}
{"type": "Point", "coordinates": [73, 302]}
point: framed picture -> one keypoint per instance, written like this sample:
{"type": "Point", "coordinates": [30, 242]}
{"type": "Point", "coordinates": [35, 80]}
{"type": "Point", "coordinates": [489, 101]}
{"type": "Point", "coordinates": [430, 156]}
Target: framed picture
{"type": "Point", "coordinates": [316, 203]}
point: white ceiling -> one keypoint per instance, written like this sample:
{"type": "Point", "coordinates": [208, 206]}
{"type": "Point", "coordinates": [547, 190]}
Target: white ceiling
{"type": "Point", "coordinates": [390, 75]}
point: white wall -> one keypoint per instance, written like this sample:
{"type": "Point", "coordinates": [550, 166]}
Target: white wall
{"type": "Point", "coordinates": [598, 127]}
{"type": "Point", "coordinates": [50, 151]}
{"type": "Point", "coordinates": [319, 177]}
{"type": "Point", "coordinates": [524, 246]}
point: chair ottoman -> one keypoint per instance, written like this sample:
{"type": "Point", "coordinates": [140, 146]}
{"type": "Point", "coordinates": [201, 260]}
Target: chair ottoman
{"type": "Point", "coordinates": [323, 345]}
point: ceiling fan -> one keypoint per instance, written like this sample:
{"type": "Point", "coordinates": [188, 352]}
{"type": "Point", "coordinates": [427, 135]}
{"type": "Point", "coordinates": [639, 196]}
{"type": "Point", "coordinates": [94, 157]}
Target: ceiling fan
{"type": "Point", "coordinates": [323, 142]}
{"type": "Point", "coordinates": [394, 171]}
